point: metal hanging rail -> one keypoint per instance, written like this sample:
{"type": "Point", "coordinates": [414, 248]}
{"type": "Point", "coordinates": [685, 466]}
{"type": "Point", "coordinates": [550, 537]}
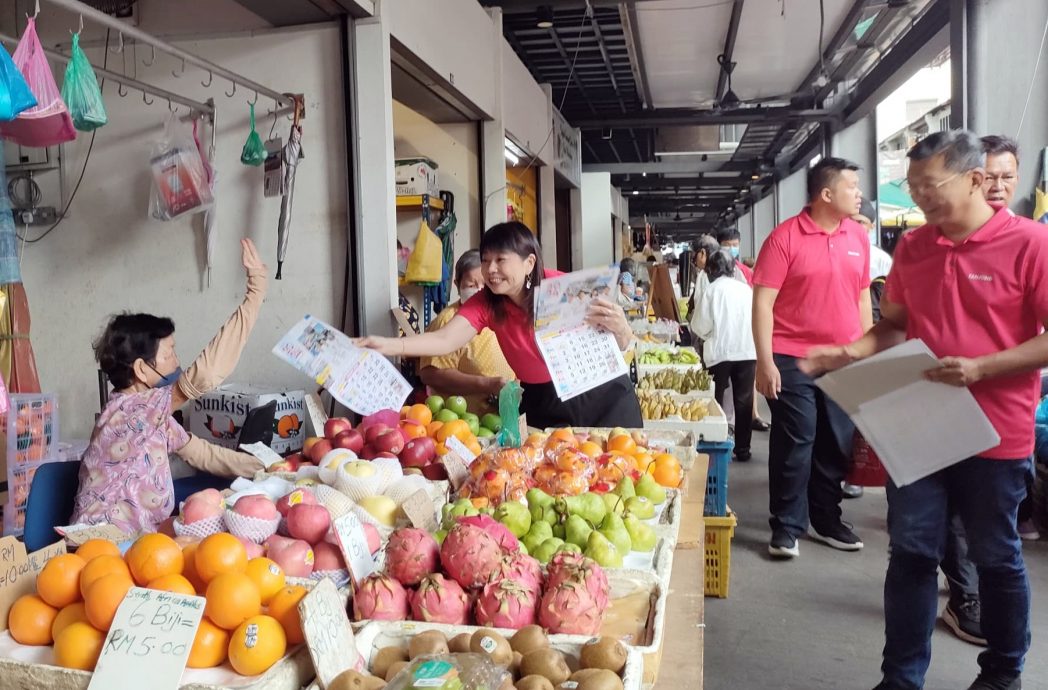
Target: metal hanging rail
{"type": "Point", "coordinates": [169, 96]}
{"type": "Point", "coordinates": [126, 29]}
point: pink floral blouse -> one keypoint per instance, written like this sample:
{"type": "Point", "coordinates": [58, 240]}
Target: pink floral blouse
{"type": "Point", "coordinates": [125, 476]}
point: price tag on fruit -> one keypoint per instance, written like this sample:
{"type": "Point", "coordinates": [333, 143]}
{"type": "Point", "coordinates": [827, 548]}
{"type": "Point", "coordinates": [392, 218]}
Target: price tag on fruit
{"type": "Point", "coordinates": [458, 469]}
{"type": "Point", "coordinates": [328, 634]}
{"type": "Point", "coordinates": [266, 455]}
{"type": "Point", "coordinates": [354, 545]}
{"type": "Point", "coordinates": [18, 571]}
{"type": "Point", "coordinates": [76, 535]}
{"type": "Point", "coordinates": [419, 509]}
{"type": "Point", "coordinates": [151, 637]}
{"type": "Point", "coordinates": [456, 446]}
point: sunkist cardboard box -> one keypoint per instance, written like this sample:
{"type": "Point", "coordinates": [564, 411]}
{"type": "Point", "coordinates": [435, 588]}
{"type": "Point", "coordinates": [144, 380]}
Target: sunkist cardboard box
{"type": "Point", "coordinates": [218, 416]}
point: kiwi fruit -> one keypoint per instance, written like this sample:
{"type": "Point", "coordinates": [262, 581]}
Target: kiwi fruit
{"type": "Point", "coordinates": [386, 656]}
{"type": "Point", "coordinates": [534, 682]}
{"type": "Point", "coordinates": [459, 644]}
{"type": "Point", "coordinates": [373, 683]}
{"type": "Point", "coordinates": [582, 674]}
{"type": "Point", "coordinates": [528, 639]}
{"type": "Point", "coordinates": [604, 652]}
{"type": "Point", "coordinates": [514, 666]}
{"type": "Point", "coordinates": [600, 679]}
{"type": "Point", "coordinates": [487, 641]}
{"type": "Point", "coordinates": [429, 643]}
{"type": "Point", "coordinates": [548, 663]}
{"type": "Point", "coordinates": [348, 680]}
{"type": "Point", "coordinates": [395, 668]}
{"type": "Point", "coordinates": [507, 683]}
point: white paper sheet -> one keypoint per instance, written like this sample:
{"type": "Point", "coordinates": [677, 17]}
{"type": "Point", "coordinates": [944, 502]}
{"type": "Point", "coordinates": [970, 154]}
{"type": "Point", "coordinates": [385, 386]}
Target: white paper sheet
{"type": "Point", "coordinates": [916, 427]}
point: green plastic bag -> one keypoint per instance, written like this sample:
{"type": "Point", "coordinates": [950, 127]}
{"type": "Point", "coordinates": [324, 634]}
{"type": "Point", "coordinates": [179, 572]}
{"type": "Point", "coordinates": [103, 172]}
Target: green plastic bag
{"type": "Point", "coordinates": [509, 411]}
{"type": "Point", "coordinates": [80, 91]}
{"type": "Point", "coordinates": [254, 152]}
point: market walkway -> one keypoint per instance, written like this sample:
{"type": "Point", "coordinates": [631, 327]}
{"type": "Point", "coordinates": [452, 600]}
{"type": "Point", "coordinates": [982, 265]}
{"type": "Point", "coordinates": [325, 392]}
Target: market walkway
{"type": "Point", "coordinates": [817, 622]}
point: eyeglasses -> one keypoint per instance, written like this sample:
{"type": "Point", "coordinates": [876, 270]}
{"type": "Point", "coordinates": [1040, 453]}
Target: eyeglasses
{"type": "Point", "coordinates": [922, 190]}
{"type": "Point", "coordinates": [1005, 180]}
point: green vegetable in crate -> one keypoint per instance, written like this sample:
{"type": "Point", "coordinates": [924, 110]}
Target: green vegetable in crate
{"type": "Point", "coordinates": [603, 551]}
{"type": "Point", "coordinates": [515, 516]}
{"type": "Point", "coordinates": [615, 530]}
{"type": "Point", "coordinates": [664, 356]}
{"type": "Point", "coordinates": [642, 536]}
{"type": "Point", "coordinates": [675, 380]}
{"type": "Point", "coordinates": [651, 489]}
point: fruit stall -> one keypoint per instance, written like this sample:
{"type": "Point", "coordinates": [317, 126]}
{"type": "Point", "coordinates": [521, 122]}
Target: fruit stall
{"type": "Point", "coordinates": [440, 547]}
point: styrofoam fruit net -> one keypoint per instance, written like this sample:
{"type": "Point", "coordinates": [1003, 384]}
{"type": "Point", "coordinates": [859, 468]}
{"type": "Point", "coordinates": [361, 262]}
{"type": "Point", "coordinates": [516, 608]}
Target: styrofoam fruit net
{"type": "Point", "coordinates": [340, 577]}
{"type": "Point", "coordinates": [337, 503]}
{"type": "Point", "coordinates": [404, 488]}
{"type": "Point", "coordinates": [342, 456]}
{"type": "Point", "coordinates": [251, 528]}
{"type": "Point", "coordinates": [383, 530]}
{"type": "Point", "coordinates": [387, 471]}
{"type": "Point", "coordinates": [199, 529]}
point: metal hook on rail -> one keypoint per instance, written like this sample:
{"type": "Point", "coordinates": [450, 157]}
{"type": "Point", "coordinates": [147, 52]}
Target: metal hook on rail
{"type": "Point", "coordinates": [152, 59]}
{"type": "Point", "coordinates": [210, 78]}
{"type": "Point", "coordinates": [169, 105]}
{"type": "Point", "coordinates": [178, 75]}
{"type": "Point", "coordinates": [121, 90]}
{"type": "Point", "coordinates": [254, 102]}
{"type": "Point", "coordinates": [273, 128]}
{"type": "Point", "coordinates": [144, 99]}
{"type": "Point", "coordinates": [120, 48]}
{"type": "Point", "coordinates": [230, 94]}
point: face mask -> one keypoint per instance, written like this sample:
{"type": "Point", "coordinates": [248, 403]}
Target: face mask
{"type": "Point", "coordinates": [734, 252]}
{"type": "Point", "coordinates": [168, 380]}
{"type": "Point", "coordinates": [466, 293]}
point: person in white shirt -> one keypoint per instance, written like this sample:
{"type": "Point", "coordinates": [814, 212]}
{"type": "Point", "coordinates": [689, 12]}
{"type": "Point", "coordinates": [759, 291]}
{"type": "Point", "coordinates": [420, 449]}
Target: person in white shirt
{"type": "Point", "coordinates": [724, 323]}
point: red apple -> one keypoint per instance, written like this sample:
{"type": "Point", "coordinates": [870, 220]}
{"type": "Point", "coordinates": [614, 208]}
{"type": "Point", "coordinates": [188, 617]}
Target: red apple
{"type": "Point", "coordinates": [390, 442]}
{"type": "Point", "coordinates": [319, 450]}
{"type": "Point", "coordinates": [368, 452]}
{"type": "Point", "coordinates": [309, 443]}
{"type": "Point", "coordinates": [335, 426]}
{"type": "Point", "coordinates": [384, 454]}
{"type": "Point", "coordinates": [374, 432]}
{"type": "Point", "coordinates": [350, 440]}
{"type": "Point", "coordinates": [308, 522]}
{"type": "Point", "coordinates": [435, 471]}
{"type": "Point", "coordinates": [418, 452]}
{"type": "Point", "coordinates": [294, 498]}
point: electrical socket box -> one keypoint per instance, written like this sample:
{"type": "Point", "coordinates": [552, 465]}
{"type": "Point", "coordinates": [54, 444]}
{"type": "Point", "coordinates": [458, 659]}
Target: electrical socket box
{"type": "Point", "coordinates": [41, 215]}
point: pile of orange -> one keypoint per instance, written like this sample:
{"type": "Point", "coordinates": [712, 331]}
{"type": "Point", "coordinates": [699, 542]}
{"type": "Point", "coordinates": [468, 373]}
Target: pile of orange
{"type": "Point", "coordinates": [250, 618]}
{"type": "Point", "coordinates": [438, 431]}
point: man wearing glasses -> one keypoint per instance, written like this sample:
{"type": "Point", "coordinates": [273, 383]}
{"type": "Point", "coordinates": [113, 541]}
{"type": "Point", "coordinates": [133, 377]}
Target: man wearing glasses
{"type": "Point", "coordinates": [973, 284]}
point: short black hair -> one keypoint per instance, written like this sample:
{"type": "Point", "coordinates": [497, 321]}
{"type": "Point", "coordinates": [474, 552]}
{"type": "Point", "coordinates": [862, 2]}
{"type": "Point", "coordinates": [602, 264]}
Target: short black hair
{"type": "Point", "coordinates": [961, 150]}
{"type": "Point", "coordinates": [517, 238]}
{"type": "Point", "coordinates": [727, 234]}
{"type": "Point", "coordinates": [705, 243]}
{"type": "Point", "coordinates": [126, 339]}
{"type": "Point", "coordinates": [996, 144]}
{"type": "Point", "coordinates": [824, 173]}
{"type": "Point", "coordinates": [466, 263]}
{"type": "Point", "coordinates": [720, 264]}
{"type": "Point", "coordinates": [628, 265]}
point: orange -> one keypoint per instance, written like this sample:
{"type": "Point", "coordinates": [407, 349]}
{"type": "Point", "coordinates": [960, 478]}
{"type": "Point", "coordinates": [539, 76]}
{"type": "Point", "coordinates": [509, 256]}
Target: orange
{"type": "Point", "coordinates": [591, 449]}
{"type": "Point", "coordinates": [104, 597]}
{"type": "Point", "coordinates": [535, 439]}
{"type": "Point", "coordinates": [58, 583]}
{"type": "Point", "coordinates": [99, 567]}
{"type": "Point", "coordinates": [189, 569]}
{"type": "Point", "coordinates": [173, 583]}
{"type": "Point", "coordinates": [412, 429]}
{"type": "Point", "coordinates": [623, 443]}
{"type": "Point", "coordinates": [432, 428]}
{"type": "Point", "coordinates": [210, 646]}
{"type": "Point", "coordinates": [404, 411]}
{"type": "Point", "coordinates": [79, 646]}
{"type": "Point", "coordinates": [666, 470]}
{"type": "Point", "coordinates": [459, 428]}
{"type": "Point", "coordinates": [267, 576]}
{"type": "Point", "coordinates": [640, 461]}
{"type": "Point", "coordinates": [564, 434]}
{"type": "Point", "coordinates": [421, 414]}
{"type": "Point", "coordinates": [97, 547]}
{"type": "Point", "coordinates": [284, 608]}
{"type": "Point", "coordinates": [441, 450]}
{"type": "Point", "coordinates": [256, 645]}
{"type": "Point", "coordinates": [67, 616]}
{"type": "Point", "coordinates": [30, 620]}
{"type": "Point", "coordinates": [153, 556]}
{"type": "Point", "coordinates": [232, 598]}
{"type": "Point", "coordinates": [217, 554]}
{"type": "Point", "coordinates": [474, 445]}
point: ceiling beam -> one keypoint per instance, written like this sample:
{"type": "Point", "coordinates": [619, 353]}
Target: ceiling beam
{"type": "Point", "coordinates": [709, 185]}
{"type": "Point", "coordinates": [602, 44]}
{"type": "Point", "coordinates": [568, 63]}
{"type": "Point", "coordinates": [729, 48]}
{"type": "Point", "coordinates": [685, 117]}
{"type": "Point", "coordinates": [628, 17]}
{"type": "Point", "coordinates": [869, 40]}
{"type": "Point", "coordinates": [518, 6]}
{"type": "Point", "coordinates": [839, 37]}
{"type": "Point", "coordinates": [672, 167]}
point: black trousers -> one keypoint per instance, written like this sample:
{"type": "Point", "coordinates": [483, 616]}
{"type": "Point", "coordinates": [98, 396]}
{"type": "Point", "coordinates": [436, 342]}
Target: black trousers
{"type": "Point", "coordinates": [611, 404]}
{"type": "Point", "coordinates": [740, 376]}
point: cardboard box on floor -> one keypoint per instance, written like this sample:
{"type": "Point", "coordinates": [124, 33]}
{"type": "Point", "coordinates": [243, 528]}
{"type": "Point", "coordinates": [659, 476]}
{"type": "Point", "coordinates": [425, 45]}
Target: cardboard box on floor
{"type": "Point", "coordinates": [693, 501]}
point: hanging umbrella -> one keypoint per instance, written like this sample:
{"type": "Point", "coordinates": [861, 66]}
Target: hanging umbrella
{"type": "Point", "coordinates": [292, 154]}
{"type": "Point", "coordinates": [212, 176]}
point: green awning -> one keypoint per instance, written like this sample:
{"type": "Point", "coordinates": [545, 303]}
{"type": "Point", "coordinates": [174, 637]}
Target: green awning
{"type": "Point", "coordinates": [892, 194]}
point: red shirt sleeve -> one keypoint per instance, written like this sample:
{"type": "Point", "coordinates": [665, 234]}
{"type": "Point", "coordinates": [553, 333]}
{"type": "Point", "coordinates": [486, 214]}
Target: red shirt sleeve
{"type": "Point", "coordinates": [1036, 276]}
{"type": "Point", "coordinates": [773, 262]}
{"type": "Point", "coordinates": [477, 310]}
{"type": "Point", "coordinates": [866, 270]}
{"type": "Point", "coordinates": [894, 291]}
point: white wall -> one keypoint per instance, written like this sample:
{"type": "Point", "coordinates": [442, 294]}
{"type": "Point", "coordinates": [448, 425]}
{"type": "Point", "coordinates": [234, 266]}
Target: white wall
{"type": "Point", "coordinates": [526, 108]}
{"type": "Point", "coordinates": [597, 242]}
{"type": "Point", "coordinates": [764, 223]}
{"type": "Point", "coordinates": [793, 194]}
{"type": "Point", "coordinates": [107, 256]}
{"type": "Point", "coordinates": [745, 241]}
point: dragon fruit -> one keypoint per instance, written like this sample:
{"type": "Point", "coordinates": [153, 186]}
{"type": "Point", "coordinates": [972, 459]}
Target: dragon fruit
{"type": "Point", "coordinates": [567, 566]}
{"type": "Point", "coordinates": [440, 600]}
{"type": "Point", "coordinates": [380, 597]}
{"type": "Point", "coordinates": [569, 608]}
{"type": "Point", "coordinates": [469, 555]}
{"type": "Point", "coordinates": [411, 554]}
{"type": "Point", "coordinates": [506, 604]}
{"type": "Point", "coordinates": [522, 569]}
{"type": "Point", "coordinates": [499, 532]}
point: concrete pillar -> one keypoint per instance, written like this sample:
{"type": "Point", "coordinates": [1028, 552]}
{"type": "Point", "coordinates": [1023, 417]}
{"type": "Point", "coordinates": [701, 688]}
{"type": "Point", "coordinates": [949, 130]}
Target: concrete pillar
{"type": "Point", "coordinates": [858, 143]}
{"type": "Point", "coordinates": [493, 143]}
{"type": "Point", "coordinates": [576, 228]}
{"type": "Point", "coordinates": [376, 279]}
{"type": "Point", "coordinates": [548, 215]}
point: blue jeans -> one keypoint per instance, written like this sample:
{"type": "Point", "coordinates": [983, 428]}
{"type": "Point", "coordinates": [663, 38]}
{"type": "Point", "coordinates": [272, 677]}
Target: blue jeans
{"type": "Point", "coordinates": [986, 494]}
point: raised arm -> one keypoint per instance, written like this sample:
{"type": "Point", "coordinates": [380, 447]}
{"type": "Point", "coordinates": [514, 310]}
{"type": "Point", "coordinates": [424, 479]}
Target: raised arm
{"type": "Point", "coordinates": [451, 337]}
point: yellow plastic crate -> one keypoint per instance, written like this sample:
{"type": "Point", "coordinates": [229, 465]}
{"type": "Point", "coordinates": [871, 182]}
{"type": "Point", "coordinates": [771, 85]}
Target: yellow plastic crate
{"type": "Point", "coordinates": [719, 533]}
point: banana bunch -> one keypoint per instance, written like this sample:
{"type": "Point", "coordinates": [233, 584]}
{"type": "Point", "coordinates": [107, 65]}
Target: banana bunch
{"type": "Point", "coordinates": [655, 406]}
{"type": "Point", "coordinates": [675, 380]}
{"type": "Point", "coordinates": [664, 356]}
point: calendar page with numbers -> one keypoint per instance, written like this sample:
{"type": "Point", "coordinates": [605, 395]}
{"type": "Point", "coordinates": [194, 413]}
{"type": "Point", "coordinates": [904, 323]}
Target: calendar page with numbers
{"type": "Point", "coordinates": [579, 357]}
{"type": "Point", "coordinates": [362, 380]}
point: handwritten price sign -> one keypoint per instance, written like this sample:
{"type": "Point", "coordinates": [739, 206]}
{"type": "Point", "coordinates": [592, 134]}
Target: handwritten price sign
{"type": "Point", "coordinates": [354, 544]}
{"type": "Point", "coordinates": [329, 637]}
{"type": "Point", "coordinates": [151, 637]}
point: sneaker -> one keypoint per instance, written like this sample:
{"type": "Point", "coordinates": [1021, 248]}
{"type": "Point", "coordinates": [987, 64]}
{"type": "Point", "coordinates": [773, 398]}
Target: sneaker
{"type": "Point", "coordinates": [996, 681]}
{"type": "Point", "coordinates": [851, 490]}
{"type": "Point", "coordinates": [782, 545]}
{"type": "Point", "coordinates": [744, 456]}
{"type": "Point", "coordinates": [839, 536]}
{"type": "Point", "coordinates": [759, 424]}
{"type": "Point", "coordinates": [963, 616]}
{"type": "Point", "coordinates": [1028, 530]}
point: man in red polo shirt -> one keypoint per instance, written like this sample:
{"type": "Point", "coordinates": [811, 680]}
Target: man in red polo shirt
{"type": "Point", "coordinates": [811, 289]}
{"type": "Point", "coordinates": [973, 284]}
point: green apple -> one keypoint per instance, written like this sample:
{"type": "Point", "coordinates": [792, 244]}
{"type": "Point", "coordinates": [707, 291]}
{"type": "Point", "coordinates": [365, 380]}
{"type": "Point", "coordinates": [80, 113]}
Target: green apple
{"type": "Point", "coordinates": [485, 432]}
{"type": "Point", "coordinates": [435, 403]}
{"type": "Point", "coordinates": [359, 468]}
{"type": "Point", "coordinates": [456, 404]}
{"type": "Point", "coordinates": [445, 416]}
{"type": "Point", "coordinates": [473, 421]}
{"type": "Point", "coordinates": [491, 421]}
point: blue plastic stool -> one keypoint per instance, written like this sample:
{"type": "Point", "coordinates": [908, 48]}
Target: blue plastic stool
{"type": "Point", "coordinates": [716, 504]}
{"type": "Point", "coordinates": [50, 503]}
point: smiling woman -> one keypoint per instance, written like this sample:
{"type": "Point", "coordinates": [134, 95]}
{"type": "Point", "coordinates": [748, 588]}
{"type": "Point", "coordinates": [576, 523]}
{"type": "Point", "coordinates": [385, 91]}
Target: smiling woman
{"type": "Point", "coordinates": [511, 265]}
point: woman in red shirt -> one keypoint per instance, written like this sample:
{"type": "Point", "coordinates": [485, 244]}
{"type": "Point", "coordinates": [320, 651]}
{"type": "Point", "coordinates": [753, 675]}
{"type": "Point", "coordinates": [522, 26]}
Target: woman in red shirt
{"type": "Point", "coordinates": [511, 263]}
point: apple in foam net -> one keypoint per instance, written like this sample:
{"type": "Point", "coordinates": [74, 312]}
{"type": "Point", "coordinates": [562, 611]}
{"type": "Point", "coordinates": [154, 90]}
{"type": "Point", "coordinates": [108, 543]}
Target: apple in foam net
{"type": "Point", "coordinates": [293, 555]}
{"type": "Point", "coordinates": [256, 506]}
{"type": "Point", "coordinates": [350, 440]}
{"type": "Point", "coordinates": [362, 469]}
{"type": "Point", "coordinates": [390, 442]}
{"type": "Point", "coordinates": [294, 498]}
{"type": "Point", "coordinates": [327, 557]}
{"type": "Point", "coordinates": [335, 426]}
{"type": "Point", "coordinates": [202, 505]}
{"type": "Point", "coordinates": [308, 522]}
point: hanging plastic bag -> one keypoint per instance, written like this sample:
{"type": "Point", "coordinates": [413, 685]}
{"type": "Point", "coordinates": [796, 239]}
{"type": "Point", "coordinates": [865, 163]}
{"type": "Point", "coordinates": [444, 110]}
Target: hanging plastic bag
{"type": "Point", "coordinates": [179, 178]}
{"type": "Point", "coordinates": [48, 123]}
{"type": "Point", "coordinates": [81, 93]}
{"type": "Point", "coordinates": [15, 95]}
{"type": "Point", "coordinates": [426, 262]}
{"type": "Point", "coordinates": [254, 152]}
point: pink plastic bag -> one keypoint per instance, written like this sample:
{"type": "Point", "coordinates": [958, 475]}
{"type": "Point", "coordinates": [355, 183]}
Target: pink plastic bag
{"type": "Point", "coordinates": [49, 123]}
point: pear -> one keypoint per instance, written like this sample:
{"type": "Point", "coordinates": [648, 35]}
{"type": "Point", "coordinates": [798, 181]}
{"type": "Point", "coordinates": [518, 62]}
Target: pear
{"type": "Point", "coordinates": [614, 503]}
{"type": "Point", "coordinates": [439, 535]}
{"type": "Point", "coordinates": [650, 489]}
{"type": "Point", "coordinates": [538, 497]}
{"type": "Point", "coordinates": [546, 550]}
{"type": "Point", "coordinates": [460, 508]}
{"type": "Point", "coordinates": [515, 516]}
{"type": "Point", "coordinates": [642, 536]}
{"type": "Point", "coordinates": [640, 507]}
{"type": "Point", "coordinates": [547, 514]}
{"type": "Point", "coordinates": [625, 488]}
{"type": "Point", "coordinates": [615, 530]}
{"type": "Point", "coordinates": [588, 506]}
{"type": "Point", "coordinates": [577, 530]}
{"type": "Point", "coordinates": [600, 549]}
{"type": "Point", "coordinates": [568, 546]}
{"type": "Point", "coordinates": [559, 531]}
{"type": "Point", "coordinates": [540, 531]}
